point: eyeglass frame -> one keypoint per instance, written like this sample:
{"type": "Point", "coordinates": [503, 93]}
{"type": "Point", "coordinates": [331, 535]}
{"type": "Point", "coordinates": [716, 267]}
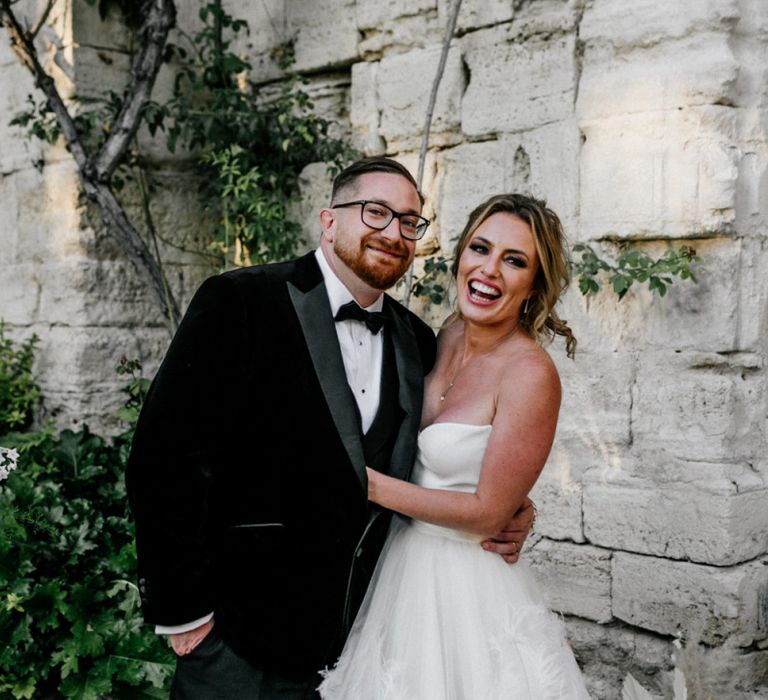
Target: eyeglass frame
{"type": "Point", "coordinates": [395, 215]}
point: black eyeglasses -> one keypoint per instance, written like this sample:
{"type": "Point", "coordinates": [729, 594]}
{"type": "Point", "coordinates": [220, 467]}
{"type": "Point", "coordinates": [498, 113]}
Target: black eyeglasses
{"type": "Point", "coordinates": [378, 216]}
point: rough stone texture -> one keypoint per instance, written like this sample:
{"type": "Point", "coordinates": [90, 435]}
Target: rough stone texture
{"type": "Point", "coordinates": [638, 121]}
{"type": "Point", "coordinates": [541, 93]}
{"type": "Point", "coordinates": [608, 652]}
{"type": "Point", "coordinates": [700, 603]}
{"type": "Point", "coordinates": [676, 521]}
{"type": "Point", "coordinates": [325, 32]}
{"type": "Point", "coordinates": [402, 101]}
{"type": "Point", "coordinates": [576, 579]}
{"type": "Point", "coordinates": [533, 161]}
{"type": "Point", "coordinates": [676, 177]}
{"type": "Point", "coordinates": [396, 26]}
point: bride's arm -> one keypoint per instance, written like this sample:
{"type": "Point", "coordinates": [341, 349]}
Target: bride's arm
{"type": "Point", "coordinates": [527, 406]}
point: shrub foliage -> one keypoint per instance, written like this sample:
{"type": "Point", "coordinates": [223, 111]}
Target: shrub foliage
{"type": "Point", "coordinates": [69, 609]}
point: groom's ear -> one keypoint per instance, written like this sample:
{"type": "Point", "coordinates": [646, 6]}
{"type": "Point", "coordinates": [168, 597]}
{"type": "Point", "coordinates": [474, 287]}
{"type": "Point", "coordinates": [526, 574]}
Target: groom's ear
{"type": "Point", "coordinates": [328, 224]}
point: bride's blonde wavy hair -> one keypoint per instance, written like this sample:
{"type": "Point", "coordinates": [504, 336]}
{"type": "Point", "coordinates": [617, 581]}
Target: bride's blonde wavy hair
{"type": "Point", "coordinates": [553, 276]}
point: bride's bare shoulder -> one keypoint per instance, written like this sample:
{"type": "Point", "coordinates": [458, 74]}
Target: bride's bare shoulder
{"type": "Point", "coordinates": [532, 366]}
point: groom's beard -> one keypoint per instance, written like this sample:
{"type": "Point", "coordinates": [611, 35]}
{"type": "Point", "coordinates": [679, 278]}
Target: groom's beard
{"type": "Point", "coordinates": [362, 257]}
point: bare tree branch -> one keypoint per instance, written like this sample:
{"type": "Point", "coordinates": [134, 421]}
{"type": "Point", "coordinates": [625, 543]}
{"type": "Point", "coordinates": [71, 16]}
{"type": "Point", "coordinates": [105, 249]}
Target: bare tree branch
{"type": "Point", "coordinates": [449, 32]}
{"type": "Point", "coordinates": [95, 175]}
{"type": "Point", "coordinates": [24, 48]}
{"type": "Point", "coordinates": [160, 16]}
{"type": "Point", "coordinates": [42, 20]}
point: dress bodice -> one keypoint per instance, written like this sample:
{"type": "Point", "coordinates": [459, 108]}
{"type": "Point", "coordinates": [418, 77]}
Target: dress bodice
{"type": "Point", "coordinates": [450, 456]}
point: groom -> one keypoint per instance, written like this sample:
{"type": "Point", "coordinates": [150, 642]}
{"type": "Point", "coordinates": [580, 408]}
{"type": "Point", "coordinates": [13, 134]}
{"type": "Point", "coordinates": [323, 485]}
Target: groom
{"type": "Point", "coordinates": [247, 473]}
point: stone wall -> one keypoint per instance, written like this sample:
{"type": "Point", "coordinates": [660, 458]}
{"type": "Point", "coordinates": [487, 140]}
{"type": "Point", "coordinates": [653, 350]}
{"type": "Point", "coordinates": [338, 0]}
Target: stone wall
{"type": "Point", "coordinates": [638, 120]}
{"type": "Point", "coordinates": [61, 276]}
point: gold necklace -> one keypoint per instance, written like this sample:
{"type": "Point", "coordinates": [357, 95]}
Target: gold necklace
{"type": "Point", "coordinates": [487, 352]}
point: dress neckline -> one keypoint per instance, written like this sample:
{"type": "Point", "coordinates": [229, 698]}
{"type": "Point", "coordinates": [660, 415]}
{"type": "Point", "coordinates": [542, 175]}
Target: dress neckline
{"type": "Point", "coordinates": [454, 424]}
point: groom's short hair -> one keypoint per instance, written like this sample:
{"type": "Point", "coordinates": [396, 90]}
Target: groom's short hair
{"type": "Point", "coordinates": [374, 164]}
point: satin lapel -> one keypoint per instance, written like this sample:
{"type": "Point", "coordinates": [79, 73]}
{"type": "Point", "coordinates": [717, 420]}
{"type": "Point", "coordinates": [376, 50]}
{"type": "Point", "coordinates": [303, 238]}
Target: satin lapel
{"type": "Point", "coordinates": [411, 377]}
{"type": "Point", "coordinates": [314, 314]}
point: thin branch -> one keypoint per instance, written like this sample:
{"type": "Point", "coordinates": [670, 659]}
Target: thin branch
{"type": "Point", "coordinates": [148, 218]}
{"type": "Point", "coordinates": [160, 16]}
{"type": "Point", "coordinates": [43, 19]}
{"type": "Point", "coordinates": [449, 32]}
{"type": "Point", "coordinates": [22, 46]}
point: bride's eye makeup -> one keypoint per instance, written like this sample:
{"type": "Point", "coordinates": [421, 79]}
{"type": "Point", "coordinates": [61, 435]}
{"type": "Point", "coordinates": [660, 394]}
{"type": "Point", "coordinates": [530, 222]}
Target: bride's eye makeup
{"type": "Point", "coordinates": [516, 261]}
{"type": "Point", "coordinates": [477, 247]}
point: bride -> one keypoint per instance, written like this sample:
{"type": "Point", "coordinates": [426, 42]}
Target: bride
{"type": "Point", "coordinates": [442, 619]}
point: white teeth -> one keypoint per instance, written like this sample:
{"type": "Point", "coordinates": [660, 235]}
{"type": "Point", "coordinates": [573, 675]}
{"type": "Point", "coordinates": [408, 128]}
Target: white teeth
{"type": "Point", "coordinates": [484, 289]}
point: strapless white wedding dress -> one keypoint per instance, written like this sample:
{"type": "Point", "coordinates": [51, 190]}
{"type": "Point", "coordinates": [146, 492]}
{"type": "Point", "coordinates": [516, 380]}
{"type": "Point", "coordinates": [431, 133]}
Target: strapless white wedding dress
{"type": "Point", "coordinates": [445, 620]}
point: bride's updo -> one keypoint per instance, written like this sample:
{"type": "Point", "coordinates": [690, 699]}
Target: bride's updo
{"type": "Point", "coordinates": [553, 276]}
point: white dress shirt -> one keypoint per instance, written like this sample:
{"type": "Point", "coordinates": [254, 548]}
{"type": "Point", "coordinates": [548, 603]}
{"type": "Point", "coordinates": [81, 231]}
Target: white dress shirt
{"type": "Point", "coordinates": [361, 350]}
{"type": "Point", "coordinates": [362, 353]}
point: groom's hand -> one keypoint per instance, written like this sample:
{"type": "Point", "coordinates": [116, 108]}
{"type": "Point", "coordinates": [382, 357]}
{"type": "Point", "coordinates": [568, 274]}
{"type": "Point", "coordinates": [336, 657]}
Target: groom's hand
{"type": "Point", "coordinates": [185, 642]}
{"type": "Point", "coordinates": [509, 542]}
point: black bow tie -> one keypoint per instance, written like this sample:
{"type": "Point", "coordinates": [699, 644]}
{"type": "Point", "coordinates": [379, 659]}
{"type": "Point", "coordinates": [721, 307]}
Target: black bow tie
{"type": "Point", "coordinates": [374, 320]}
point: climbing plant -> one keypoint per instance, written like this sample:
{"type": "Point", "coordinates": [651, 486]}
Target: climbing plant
{"type": "Point", "coordinates": [251, 143]}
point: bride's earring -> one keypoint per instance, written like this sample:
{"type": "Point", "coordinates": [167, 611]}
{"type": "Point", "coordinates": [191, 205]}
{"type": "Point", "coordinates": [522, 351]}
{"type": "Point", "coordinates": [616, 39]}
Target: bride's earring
{"type": "Point", "coordinates": [525, 308]}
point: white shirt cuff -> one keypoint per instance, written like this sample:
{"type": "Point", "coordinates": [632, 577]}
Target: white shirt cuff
{"type": "Point", "coordinates": [187, 627]}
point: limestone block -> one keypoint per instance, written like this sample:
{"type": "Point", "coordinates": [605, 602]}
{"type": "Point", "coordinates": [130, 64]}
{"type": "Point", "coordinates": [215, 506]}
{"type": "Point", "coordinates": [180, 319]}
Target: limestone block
{"type": "Point", "coordinates": [706, 73]}
{"type": "Point", "coordinates": [89, 29]}
{"type": "Point", "coordinates": [607, 652]}
{"type": "Point", "coordinates": [177, 214]}
{"type": "Point", "coordinates": [662, 174]}
{"type": "Point", "coordinates": [682, 320]}
{"type": "Point", "coordinates": [543, 18]}
{"type": "Point", "coordinates": [725, 671]}
{"type": "Point", "coordinates": [682, 521]}
{"type": "Point", "coordinates": [315, 184]}
{"type": "Point", "coordinates": [18, 151]}
{"type": "Point", "coordinates": [19, 293]}
{"type": "Point", "coordinates": [41, 219]}
{"type": "Point", "coordinates": [95, 293]}
{"type": "Point", "coordinates": [752, 185]}
{"type": "Point", "coordinates": [514, 86]}
{"type": "Point", "coordinates": [576, 579]}
{"type": "Point", "coordinates": [475, 14]}
{"type": "Point", "coordinates": [701, 603]}
{"type": "Point", "coordinates": [558, 495]}
{"type": "Point", "coordinates": [268, 29]}
{"type": "Point", "coordinates": [545, 164]}
{"type": "Point", "coordinates": [753, 294]}
{"type": "Point", "coordinates": [325, 33]}
{"type": "Point", "coordinates": [100, 70]}
{"type": "Point", "coordinates": [597, 401]}
{"type": "Point", "coordinates": [469, 173]}
{"type": "Point", "coordinates": [76, 370]}
{"type": "Point", "coordinates": [542, 162]}
{"type": "Point", "coordinates": [330, 97]}
{"type": "Point", "coordinates": [400, 35]}
{"type": "Point", "coordinates": [364, 111]}
{"type": "Point", "coordinates": [699, 406]}
{"type": "Point", "coordinates": [372, 14]}
{"type": "Point", "coordinates": [402, 101]}
{"type": "Point", "coordinates": [625, 23]}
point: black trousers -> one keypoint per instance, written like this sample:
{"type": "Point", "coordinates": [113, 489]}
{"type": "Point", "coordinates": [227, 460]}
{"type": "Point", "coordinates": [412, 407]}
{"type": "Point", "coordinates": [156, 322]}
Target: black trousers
{"type": "Point", "coordinates": [212, 671]}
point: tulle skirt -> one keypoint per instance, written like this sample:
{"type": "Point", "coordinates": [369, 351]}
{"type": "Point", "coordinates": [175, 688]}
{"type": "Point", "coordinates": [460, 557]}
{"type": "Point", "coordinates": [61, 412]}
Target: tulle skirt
{"type": "Point", "coordinates": [445, 620]}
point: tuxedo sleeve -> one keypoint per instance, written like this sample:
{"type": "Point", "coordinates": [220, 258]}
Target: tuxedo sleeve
{"type": "Point", "coordinates": [181, 440]}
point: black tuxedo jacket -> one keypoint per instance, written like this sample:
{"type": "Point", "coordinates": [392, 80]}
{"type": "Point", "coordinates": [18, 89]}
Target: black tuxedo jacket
{"type": "Point", "coordinates": [247, 477]}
